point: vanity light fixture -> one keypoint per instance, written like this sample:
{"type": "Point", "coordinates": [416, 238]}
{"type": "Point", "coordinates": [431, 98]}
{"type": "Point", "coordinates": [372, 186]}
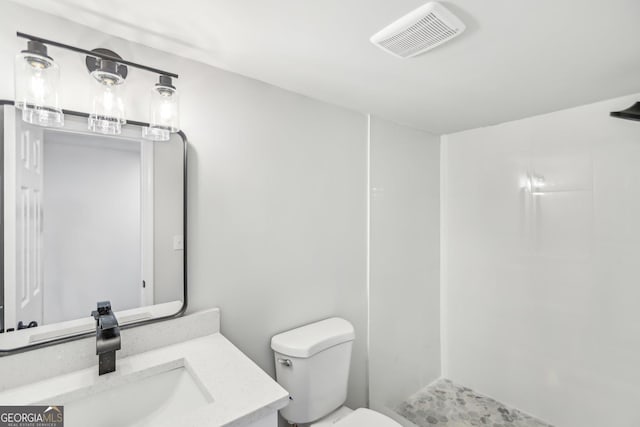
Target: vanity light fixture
{"type": "Point", "coordinates": [37, 77]}
{"type": "Point", "coordinates": [107, 107]}
{"type": "Point", "coordinates": [164, 117]}
{"type": "Point", "coordinates": [36, 86]}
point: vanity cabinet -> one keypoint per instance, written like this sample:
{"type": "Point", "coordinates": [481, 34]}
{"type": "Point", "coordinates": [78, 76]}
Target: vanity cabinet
{"type": "Point", "coordinates": [270, 420]}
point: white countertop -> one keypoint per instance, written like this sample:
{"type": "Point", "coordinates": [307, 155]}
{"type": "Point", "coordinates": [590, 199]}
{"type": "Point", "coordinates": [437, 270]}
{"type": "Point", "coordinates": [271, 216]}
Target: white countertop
{"type": "Point", "coordinates": [241, 392]}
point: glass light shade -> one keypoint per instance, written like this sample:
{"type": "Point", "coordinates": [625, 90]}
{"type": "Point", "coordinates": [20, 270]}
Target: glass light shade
{"type": "Point", "coordinates": [164, 115]}
{"type": "Point", "coordinates": [107, 112]}
{"type": "Point", "coordinates": [36, 89]}
{"type": "Point", "coordinates": [156, 134]}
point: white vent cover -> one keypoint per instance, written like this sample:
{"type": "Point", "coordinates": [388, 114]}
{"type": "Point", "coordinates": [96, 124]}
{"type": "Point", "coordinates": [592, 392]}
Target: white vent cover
{"type": "Point", "coordinates": [421, 30]}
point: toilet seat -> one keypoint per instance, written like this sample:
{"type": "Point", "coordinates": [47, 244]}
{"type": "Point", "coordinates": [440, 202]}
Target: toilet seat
{"type": "Point", "coordinates": [364, 417]}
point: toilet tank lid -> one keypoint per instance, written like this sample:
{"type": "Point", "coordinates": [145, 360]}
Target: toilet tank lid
{"type": "Point", "coordinates": [308, 340]}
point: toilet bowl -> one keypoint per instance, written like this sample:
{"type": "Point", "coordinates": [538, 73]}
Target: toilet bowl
{"type": "Point", "coordinates": [320, 354]}
{"type": "Point", "coordinates": [362, 417]}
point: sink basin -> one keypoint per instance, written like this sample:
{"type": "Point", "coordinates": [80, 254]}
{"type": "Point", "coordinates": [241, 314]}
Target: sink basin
{"type": "Point", "coordinates": [201, 382]}
{"type": "Point", "coordinates": [136, 402]}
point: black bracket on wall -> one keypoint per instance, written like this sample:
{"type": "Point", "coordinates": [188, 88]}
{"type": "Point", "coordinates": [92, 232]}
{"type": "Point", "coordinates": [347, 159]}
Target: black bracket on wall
{"type": "Point", "coordinates": [631, 113]}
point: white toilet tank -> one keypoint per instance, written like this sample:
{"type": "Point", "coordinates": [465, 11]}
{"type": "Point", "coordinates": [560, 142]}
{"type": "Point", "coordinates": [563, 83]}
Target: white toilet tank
{"type": "Point", "coordinates": [312, 364]}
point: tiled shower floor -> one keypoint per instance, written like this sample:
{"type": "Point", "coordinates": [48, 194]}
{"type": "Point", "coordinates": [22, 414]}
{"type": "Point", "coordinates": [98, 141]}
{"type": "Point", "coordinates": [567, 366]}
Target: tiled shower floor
{"type": "Point", "coordinates": [445, 404]}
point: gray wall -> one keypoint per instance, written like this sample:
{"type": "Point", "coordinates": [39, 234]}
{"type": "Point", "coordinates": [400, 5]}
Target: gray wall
{"type": "Point", "coordinates": [277, 189]}
{"type": "Point", "coordinates": [277, 210]}
{"type": "Point", "coordinates": [405, 262]}
{"type": "Point", "coordinates": [91, 225]}
{"type": "Point", "coordinates": [168, 191]}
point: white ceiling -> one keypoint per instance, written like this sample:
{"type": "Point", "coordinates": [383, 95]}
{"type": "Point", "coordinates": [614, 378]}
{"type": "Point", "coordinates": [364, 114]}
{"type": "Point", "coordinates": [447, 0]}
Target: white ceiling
{"type": "Point", "coordinates": [516, 58]}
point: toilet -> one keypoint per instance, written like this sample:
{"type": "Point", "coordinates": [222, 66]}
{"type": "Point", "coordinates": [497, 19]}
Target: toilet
{"type": "Point", "coordinates": [312, 364]}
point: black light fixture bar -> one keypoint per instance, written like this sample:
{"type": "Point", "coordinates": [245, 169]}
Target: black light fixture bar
{"type": "Point", "coordinates": [95, 54]}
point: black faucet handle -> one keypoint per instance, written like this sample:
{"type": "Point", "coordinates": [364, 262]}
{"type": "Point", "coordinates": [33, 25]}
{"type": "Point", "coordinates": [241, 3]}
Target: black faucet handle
{"type": "Point", "coordinates": [108, 322]}
{"type": "Point", "coordinates": [104, 308]}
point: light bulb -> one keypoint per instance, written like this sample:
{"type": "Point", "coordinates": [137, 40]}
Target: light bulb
{"type": "Point", "coordinates": [166, 111]}
{"type": "Point", "coordinates": [37, 87]}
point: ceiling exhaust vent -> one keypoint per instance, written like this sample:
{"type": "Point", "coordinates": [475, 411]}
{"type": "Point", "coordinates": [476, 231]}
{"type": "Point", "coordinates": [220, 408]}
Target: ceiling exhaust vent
{"type": "Point", "coordinates": [419, 31]}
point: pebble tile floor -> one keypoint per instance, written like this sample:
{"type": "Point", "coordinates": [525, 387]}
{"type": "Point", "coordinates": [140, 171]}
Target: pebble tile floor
{"type": "Point", "coordinates": [445, 404]}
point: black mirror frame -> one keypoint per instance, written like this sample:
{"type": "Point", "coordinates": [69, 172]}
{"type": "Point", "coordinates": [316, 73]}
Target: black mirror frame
{"type": "Point", "coordinates": [183, 309]}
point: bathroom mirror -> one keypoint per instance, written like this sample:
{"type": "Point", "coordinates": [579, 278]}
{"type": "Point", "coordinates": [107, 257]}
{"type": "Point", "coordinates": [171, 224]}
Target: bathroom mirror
{"type": "Point", "coordinates": [86, 218]}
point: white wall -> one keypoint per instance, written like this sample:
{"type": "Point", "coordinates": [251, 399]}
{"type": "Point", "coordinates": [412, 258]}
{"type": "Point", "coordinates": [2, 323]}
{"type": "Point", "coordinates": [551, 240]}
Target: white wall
{"type": "Point", "coordinates": [405, 262]}
{"type": "Point", "coordinates": [277, 189]}
{"type": "Point", "coordinates": [91, 224]}
{"type": "Point", "coordinates": [541, 291]}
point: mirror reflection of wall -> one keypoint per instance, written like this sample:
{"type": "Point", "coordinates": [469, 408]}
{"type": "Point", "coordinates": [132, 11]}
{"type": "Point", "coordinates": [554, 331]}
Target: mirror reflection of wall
{"type": "Point", "coordinates": [92, 223]}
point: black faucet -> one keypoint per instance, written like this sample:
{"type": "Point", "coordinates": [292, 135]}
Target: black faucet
{"type": "Point", "coordinates": [107, 337]}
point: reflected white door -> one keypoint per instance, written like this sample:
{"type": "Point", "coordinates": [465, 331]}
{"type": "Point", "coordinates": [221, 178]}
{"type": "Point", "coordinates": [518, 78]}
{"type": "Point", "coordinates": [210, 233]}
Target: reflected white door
{"type": "Point", "coordinates": [23, 217]}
